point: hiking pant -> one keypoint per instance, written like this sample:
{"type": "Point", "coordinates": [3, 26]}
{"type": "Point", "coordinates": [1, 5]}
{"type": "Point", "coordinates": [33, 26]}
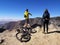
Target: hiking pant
{"type": "Point", "coordinates": [45, 26]}
{"type": "Point", "coordinates": [27, 21]}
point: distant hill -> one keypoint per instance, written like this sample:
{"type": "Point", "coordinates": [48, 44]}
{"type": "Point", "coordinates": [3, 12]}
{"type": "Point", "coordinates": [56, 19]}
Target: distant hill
{"type": "Point", "coordinates": [38, 20]}
{"type": "Point", "coordinates": [3, 22]}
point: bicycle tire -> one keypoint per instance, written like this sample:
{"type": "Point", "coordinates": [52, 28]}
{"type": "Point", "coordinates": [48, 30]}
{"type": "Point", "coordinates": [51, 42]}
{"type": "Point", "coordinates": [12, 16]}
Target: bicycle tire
{"type": "Point", "coordinates": [26, 40]}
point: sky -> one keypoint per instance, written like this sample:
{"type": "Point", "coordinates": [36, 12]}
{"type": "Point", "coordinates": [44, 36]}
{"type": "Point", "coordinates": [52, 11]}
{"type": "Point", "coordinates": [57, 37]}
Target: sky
{"type": "Point", "coordinates": [14, 9]}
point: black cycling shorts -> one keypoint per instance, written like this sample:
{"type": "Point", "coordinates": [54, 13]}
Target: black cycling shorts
{"type": "Point", "coordinates": [27, 21]}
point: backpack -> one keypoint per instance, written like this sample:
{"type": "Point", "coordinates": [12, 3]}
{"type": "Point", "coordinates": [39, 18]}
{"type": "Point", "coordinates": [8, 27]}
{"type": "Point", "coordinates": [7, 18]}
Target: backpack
{"type": "Point", "coordinates": [46, 15]}
{"type": "Point", "coordinates": [25, 16]}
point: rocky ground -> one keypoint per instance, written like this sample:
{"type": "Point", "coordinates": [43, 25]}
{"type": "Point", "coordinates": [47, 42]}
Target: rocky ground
{"type": "Point", "coordinates": [38, 38]}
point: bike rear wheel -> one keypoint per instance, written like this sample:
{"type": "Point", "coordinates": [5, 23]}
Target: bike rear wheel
{"type": "Point", "coordinates": [25, 39]}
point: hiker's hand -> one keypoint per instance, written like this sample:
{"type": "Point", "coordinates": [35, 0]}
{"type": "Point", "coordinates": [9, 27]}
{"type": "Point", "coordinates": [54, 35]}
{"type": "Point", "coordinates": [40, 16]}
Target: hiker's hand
{"type": "Point", "coordinates": [46, 19]}
{"type": "Point", "coordinates": [30, 14]}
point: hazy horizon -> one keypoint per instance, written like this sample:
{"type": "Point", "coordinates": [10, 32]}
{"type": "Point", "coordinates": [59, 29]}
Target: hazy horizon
{"type": "Point", "coordinates": [20, 19]}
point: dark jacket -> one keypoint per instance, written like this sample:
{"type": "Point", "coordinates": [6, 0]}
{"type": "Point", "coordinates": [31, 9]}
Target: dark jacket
{"type": "Point", "coordinates": [46, 16]}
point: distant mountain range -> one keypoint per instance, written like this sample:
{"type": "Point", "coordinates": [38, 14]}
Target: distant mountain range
{"type": "Point", "coordinates": [3, 21]}
{"type": "Point", "coordinates": [17, 24]}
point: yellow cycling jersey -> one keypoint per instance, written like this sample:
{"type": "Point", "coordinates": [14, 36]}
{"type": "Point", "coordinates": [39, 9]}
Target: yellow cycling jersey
{"type": "Point", "coordinates": [26, 14]}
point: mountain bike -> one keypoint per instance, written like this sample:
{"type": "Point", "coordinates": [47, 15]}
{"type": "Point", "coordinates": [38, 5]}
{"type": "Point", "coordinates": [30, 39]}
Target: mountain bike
{"type": "Point", "coordinates": [23, 35]}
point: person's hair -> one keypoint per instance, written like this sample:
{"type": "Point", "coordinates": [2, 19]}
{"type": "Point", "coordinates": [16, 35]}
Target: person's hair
{"type": "Point", "coordinates": [26, 9]}
{"type": "Point", "coordinates": [46, 11]}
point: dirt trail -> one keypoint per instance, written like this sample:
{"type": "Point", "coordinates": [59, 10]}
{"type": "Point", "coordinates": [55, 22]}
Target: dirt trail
{"type": "Point", "coordinates": [39, 38]}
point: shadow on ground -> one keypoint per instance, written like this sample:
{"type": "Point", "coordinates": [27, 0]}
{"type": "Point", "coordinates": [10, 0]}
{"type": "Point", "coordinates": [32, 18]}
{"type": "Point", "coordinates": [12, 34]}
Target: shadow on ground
{"type": "Point", "coordinates": [1, 41]}
{"type": "Point", "coordinates": [59, 25]}
{"type": "Point", "coordinates": [35, 25]}
{"type": "Point", "coordinates": [2, 30]}
{"type": "Point", "coordinates": [54, 32]}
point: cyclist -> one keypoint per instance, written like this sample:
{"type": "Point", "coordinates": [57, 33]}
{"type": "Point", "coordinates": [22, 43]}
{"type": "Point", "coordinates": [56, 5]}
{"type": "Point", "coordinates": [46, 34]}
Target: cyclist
{"type": "Point", "coordinates": [26, 16]}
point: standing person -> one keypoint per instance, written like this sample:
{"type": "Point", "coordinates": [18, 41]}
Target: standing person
{"type": "Point", "coordinates": [46, 18]}
{"type": "Point", "coordinates": [26, 16]}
